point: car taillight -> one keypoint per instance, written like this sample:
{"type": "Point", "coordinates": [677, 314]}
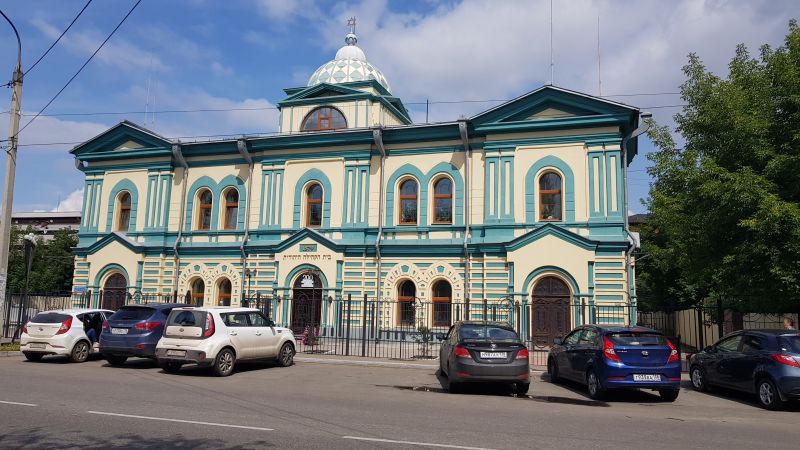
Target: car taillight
{"type": "Point", "coordinates": [461, 352]}
{"type": "Point", "coordinates": [608, 350]}
{"type": "Point", "coordinates": [209, 325]}
{"type": "Point", "coordinates": [673, 353]}
{"type": "Point", "coordinates": [105, 326]}
{"type": "Point", "coordinates": [147, 326]}
{"type": "Point", "coordinates": [522, 354]}
{"type": "Point", "coordinates": [65, 326]}
{"type": "Point", "coordinates": [785, 359]}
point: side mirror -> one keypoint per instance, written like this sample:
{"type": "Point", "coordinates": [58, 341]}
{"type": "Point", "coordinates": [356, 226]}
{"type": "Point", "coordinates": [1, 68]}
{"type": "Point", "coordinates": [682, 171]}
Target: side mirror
{"type": "Point", "coordinates": [271, 323]}
{"type": "Point", "coordinates": [557, 341]}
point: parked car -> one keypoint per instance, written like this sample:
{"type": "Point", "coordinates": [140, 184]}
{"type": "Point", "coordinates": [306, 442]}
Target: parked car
{"type": "Point", "coordinates": [761, 362]}
{"type": "Point", "coordinates": [479, 352]}
{"type": "Point", "coordinates": [219, 337]}
{"type": "Point", "coordinates": [134, 331]}
{"type": "Point", "coordinates": [69, 332]}
{"type": "Point", "coordinates": [606, 358]}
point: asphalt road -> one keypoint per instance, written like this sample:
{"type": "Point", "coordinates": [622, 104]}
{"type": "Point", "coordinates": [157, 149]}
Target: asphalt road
{"type": "Point", "coordinates": [333, 405]}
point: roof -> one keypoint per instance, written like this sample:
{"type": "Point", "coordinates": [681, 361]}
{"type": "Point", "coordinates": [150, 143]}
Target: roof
{"type": "Point", "coordinates": [773, 331]}
{"type": "Point", "coordinates": [45, 215]}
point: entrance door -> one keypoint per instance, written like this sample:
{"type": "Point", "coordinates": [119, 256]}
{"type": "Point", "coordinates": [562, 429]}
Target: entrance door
{"type": "Point", "coordinates": [550, 316]}
{"type": "Point", "coordinates": [306, 303]}
{"type": "Point", "coordinates": [115, 292]}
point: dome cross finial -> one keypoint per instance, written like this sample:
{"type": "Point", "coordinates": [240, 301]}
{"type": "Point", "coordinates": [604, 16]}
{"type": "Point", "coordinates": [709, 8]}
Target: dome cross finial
{"type": "Point", "coordinates": [351, 22]}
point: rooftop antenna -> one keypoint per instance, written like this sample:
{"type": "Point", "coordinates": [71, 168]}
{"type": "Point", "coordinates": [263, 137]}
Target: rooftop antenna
{"type": "Point", "coordinates": [351, 22]}
{"type": "Point", "coordinates": [599, 74]}
{"type": "Point", "coordinates": [551, 42]}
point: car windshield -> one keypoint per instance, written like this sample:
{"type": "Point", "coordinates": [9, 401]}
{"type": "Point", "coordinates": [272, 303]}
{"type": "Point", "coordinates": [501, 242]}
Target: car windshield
{"type": "Point", "coordinates": [637, 339]}
{"type": "Point", "coordinates": [186, 318]}
{"type": "Point", "coordinates": [790, 343]}
{"type": "Point", "coordinates": [487, 332]}
{"type": "Point", "coordinates": [132, 313]}
{"type": "Point", "coordinates": [49, 317]}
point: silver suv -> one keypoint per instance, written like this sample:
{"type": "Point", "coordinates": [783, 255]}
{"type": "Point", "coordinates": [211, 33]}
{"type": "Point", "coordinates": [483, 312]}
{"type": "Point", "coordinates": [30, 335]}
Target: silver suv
{"type": "Point", "coordinates": [218, 337]}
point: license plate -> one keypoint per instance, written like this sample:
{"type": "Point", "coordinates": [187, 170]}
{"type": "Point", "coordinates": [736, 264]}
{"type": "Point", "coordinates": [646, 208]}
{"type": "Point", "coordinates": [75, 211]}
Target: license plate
{"type": "Point", "coordinates": [647, 377]}
{"type": "Point", "coordinates": [36, 345]}
{"type": "Point", "coordinates": [119, 331]}
{"type": "Point", "coordinates": [176, 352]}
{"type": "Point", "coordinates": [493, 355]}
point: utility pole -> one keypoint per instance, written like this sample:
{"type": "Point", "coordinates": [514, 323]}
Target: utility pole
{"type": "Point", "coordinates": [11, 167]}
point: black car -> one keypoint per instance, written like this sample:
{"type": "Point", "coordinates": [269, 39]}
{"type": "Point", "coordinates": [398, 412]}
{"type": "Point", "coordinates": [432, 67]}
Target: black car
{"type": "Point", "coordinates": [480, 351]}
{"type": "Point", "coordinates": [761, 362]}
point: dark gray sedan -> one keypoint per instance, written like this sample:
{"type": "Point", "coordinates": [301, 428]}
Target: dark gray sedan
{"type": "Point", "coordinates": [478, 351]}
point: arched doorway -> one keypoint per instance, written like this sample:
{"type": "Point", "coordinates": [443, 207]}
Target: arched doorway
{"type": "Point", "coordinates": [115, 292]}
{"type": "Point", "coordinates": [198, 292]}
{"type": "Point", "coordinates": [406, 295]}
{"type": "Point", "coordinates": [442, 296]}
{"type": "Point", "coordinates": [224, 290]}
{"type": "Point", "coordinates": [550, 317]}
{"type": "Point", "coordinates": [306, 302]}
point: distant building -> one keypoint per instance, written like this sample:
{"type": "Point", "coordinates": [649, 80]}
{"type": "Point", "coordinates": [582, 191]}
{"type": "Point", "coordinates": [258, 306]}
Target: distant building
{"type": "Point", "coordinates": [46, 223]}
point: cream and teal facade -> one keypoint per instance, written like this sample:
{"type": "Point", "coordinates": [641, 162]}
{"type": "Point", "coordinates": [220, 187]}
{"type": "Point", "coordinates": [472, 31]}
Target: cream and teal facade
{"type": "Point", "coordinates": [350, 190]}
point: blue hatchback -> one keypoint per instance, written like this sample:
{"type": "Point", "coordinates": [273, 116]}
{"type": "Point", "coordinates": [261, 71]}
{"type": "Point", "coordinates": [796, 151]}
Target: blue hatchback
{"type": "Point", "coordinates": [134, 331]}
{"type": "Point", "coordinates": [606, 358]}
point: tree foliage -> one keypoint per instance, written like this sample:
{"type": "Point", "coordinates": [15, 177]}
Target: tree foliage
{"type": "Point", "coordinates": [725, 208]}
{"type": "Point", "coordinates": [52, 263]}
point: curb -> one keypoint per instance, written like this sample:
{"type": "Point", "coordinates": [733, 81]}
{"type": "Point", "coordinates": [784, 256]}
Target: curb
{"type": "Point", "coordinates": [11, 353]}
{"type": "Point", "coordinates": [401, 365]}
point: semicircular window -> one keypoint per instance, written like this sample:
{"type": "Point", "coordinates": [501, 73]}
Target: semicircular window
{"type": "Point", "coordinates": [324, 118]}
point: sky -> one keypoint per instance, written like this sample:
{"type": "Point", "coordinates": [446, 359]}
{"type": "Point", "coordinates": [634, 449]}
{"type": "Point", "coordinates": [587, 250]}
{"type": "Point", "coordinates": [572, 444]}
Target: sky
{"type": "Point", "coordinates": [239, 55]}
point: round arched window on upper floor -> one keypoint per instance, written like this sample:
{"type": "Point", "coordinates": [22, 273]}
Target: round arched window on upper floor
{"type": "Point", "coordinates": [324, 118]}
{"type": "Point", "coordinates": [408, 202]}
{"type": "Point", "coordinates": [550, 198]}
{"type": "Point", "coordinates": [231, 208]}
{"type": "Point", "coordinates": [205, 203]}
{"type": "Point", "coordinates": [124, 215]}
{"type": "Point", "coordinates": [314, 196]}
{"type": "Point", "coordinates": [443, 201]}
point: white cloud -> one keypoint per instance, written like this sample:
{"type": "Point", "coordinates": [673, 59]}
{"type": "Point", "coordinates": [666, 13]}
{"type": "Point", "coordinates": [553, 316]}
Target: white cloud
{"type": "Point", "coordinates": [46, 130]}
{"type": "Point", "coordinates": [218, 69]}
{"type": "Point", "coordinates": [73, 202]}
{"type": "Point", "coordinates": [287, 10]}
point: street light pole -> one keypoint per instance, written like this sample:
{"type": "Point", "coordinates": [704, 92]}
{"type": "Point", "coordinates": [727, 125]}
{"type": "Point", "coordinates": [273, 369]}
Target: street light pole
{"type": "Point", "coordinates": [11, 166]}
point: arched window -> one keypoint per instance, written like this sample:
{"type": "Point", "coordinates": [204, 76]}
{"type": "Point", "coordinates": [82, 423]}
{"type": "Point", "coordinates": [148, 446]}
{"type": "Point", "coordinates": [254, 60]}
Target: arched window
{"type": "Point", "coordinates": [314, 196]}
{"type": "Point", "coordinates": [224, 293]}
{"type": "Point", "coordinates": [198, 292]}
{"type": "Point", "coordinates": [205, 204]}
{"type": "Point", "coordinates": [408, 202]}
{"type": "Point", "coordinates": [442, 303]}
{"type": "Point", "coordinates": [124, 219]}
{"type": "Point", "coordinates": [231, 208]}
{"type": "Point", "coordinates": [550, 196]}
{"type": "Point", "coordinates": [443, 201]}
{"type": "Point", "coordinates": [406, 294]}
{"type": "Point", "coordinates": [324, 118]}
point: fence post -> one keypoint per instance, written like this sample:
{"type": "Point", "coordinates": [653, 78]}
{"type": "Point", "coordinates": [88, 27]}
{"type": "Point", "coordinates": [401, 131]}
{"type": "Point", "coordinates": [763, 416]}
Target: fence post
{"type": "Point", "coordinates": [347, 333]}
{"type": "Point", "coordinates": [701, 328]}
{"type": "Point", "coordinates": [466, 309]}
{"type": "Point", "coordinates": [720, 319]}
{"type": "Point", "coordinates": [485, 306]}
{"type": "Point", "coordinates": [364, 327]}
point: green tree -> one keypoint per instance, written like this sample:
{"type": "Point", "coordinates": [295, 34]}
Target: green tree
{"type": "Point", "coordinates": [52, 263]}
{"type": "Point", "coordinates": [725, 208]}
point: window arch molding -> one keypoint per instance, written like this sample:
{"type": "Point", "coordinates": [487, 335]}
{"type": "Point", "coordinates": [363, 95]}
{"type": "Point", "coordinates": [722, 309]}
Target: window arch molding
{"type": "Point", "coordinates": [425, 187]}
{"type": "Point", "coordinates": [324, 118]}
{"type": "Point", "coordinates": [216, 188]}
{"type": "Point", "coordinates": [554, 164]}
{"type": "Point", "coordinates": [113, 207]}
{"type": "Point", "coordinates": [299, 197]}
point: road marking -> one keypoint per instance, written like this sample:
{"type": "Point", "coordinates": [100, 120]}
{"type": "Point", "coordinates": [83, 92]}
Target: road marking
{"type": "Point", "coordinates": [426, 444]}
{"type": "Point", "coordinates": [194, 422]}
{"type": "Point", "coordinates": [17, 403]}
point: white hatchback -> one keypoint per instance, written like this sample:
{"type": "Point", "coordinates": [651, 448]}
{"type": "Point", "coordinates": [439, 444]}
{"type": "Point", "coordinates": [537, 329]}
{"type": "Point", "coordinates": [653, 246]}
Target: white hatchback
{"type": "Point", "coordinates": [218, 337]}
{"type": "Point", "coordinates": [63, 332]}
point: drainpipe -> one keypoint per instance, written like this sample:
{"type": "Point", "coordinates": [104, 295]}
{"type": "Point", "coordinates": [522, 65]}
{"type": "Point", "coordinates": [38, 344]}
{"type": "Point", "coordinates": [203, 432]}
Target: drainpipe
{"type": "Point", "coordinates": [462, 128]}
{"type": "Point", "coordinates": [377, 136]}
{"type": "Point", "coordinates": [643, 127]}
{"type": "Point", "coordinates": [241, 145]}
{"type": "Point", "coordinates": [178, 156]}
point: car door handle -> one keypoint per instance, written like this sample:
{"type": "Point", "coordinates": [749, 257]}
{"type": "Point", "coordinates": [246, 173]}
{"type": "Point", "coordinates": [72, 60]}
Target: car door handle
{"type": "Point", "coordinates": [233, 333]}
{"type": "Point", "coordinates": [258, 334]}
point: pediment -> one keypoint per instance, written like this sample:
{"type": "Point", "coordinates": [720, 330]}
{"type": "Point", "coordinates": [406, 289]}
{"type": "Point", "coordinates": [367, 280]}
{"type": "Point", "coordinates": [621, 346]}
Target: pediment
{"type": "Point", "coordinates": [303, 236]}
{"type": "Point", "coordinates": [123, 137]}
{"type": "Point", "coordinates": [322, 90]}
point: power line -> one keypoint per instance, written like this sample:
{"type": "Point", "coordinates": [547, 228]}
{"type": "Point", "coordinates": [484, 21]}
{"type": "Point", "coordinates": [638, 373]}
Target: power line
{"type": "Point", "coordinates": [82, 67]}
{"type": "Point", "coordinates": [59, 38]}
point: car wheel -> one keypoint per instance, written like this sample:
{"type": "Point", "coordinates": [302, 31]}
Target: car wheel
{"type": "Point", "coordinates": [669, 395]}
{"type": "Point", "coordinates": [31, 356]}
{"type": "Point", "coordinates": [596, 390]}
{"type": "Point", "coordinates": [286, 355]}
{"type": "Point", "coordinates": [768, 396]}
{"type": "Point", "coordinates": [698, 376]}
{"type": "Point", "coordinates": [223, 363]}
{"type": "Point", "coordinates": [552, 369]}
{"type": "Point", "coordinates": [116, 360]}
{"type": "Point", "coordinates": [171, 367]}
{"type": "Point", "coordinates": [521, 388]}
{"type": "Point", "coordinates": [80, 352]}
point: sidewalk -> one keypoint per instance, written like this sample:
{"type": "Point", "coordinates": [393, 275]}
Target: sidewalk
{"type": "Point", "coordinates": [379, 362]}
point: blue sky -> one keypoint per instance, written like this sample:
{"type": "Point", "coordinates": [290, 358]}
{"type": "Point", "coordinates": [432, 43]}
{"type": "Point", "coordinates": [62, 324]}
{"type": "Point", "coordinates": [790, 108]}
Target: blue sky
{"type": "Point", "coordinates": [240, 54]}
